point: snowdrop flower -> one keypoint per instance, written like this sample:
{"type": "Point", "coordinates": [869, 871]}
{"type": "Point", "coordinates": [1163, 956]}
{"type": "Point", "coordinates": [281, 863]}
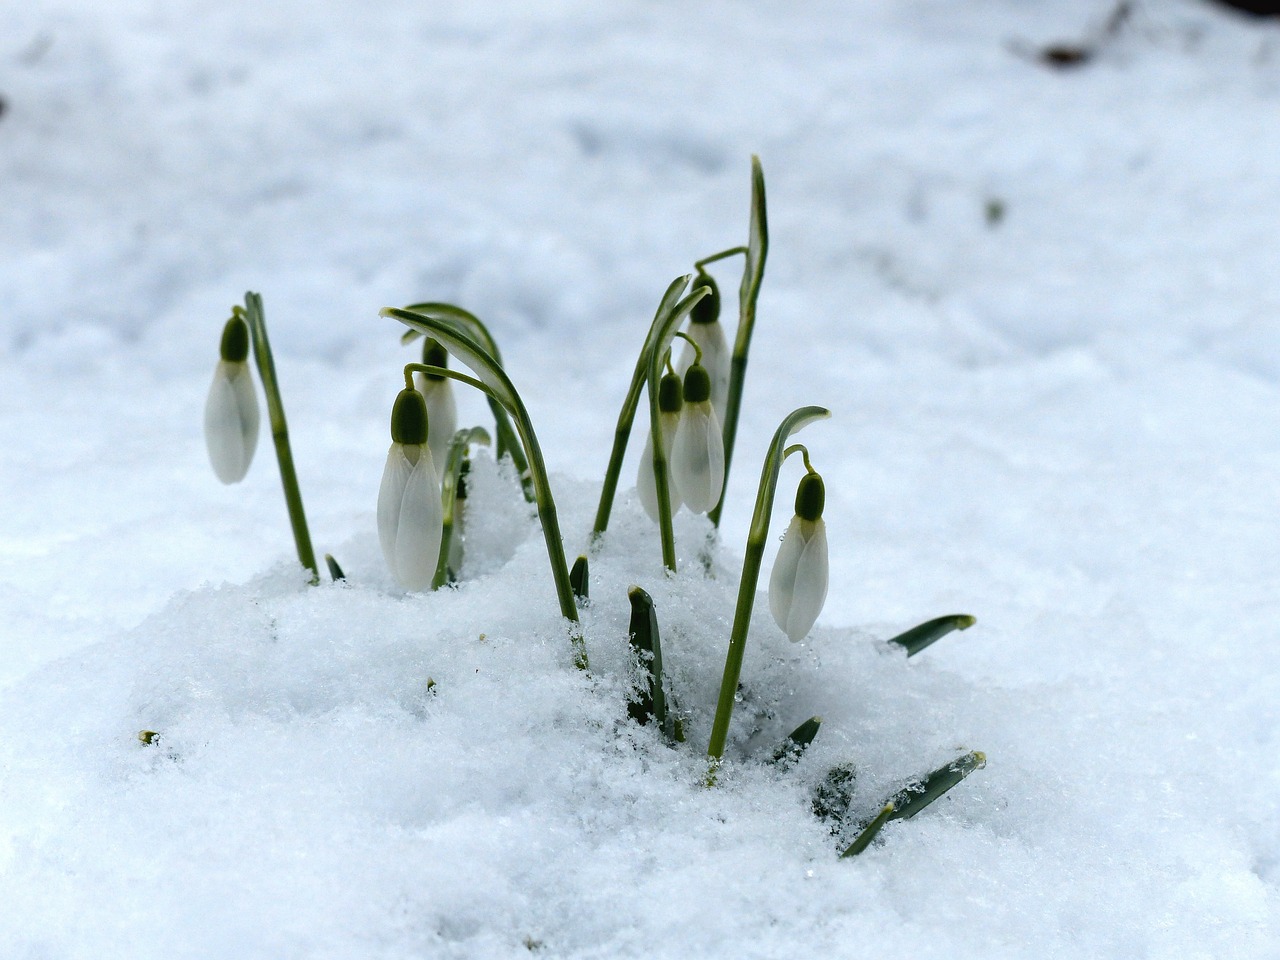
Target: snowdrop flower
{"type": "Point", "coordinates": [706, 331]}
{"type": "Point", "coordinates": [442, 410]}
{"type": "Point", "coordinates": [669, 404]}
{"type": "Point", "coordinates": [697, 452]}
{"type": "Point", "coordinates": [410, 514]}
{"type": "Point", "coordinates": [231, 411]}
{"type": "Point", "coordinates": [798, 585]}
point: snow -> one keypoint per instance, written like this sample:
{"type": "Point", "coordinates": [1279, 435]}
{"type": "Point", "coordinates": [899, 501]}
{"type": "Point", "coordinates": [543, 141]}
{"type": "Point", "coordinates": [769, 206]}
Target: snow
{"type": "Point", "coordinates": [1063, 422]}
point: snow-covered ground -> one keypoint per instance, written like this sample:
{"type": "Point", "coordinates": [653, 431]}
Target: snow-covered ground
{"type": "Point", "coordinates": [1062, 419]}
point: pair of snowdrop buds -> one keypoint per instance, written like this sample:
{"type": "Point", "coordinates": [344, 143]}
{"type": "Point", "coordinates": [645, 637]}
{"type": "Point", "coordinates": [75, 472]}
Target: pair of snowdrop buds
{"type": "Point", "coordinates": [231, 410]}
{"type": "Point", "coordinates": [410, 512]}
{"type": "Point", "coordinates": [798, 585]}
{"type": "Point", "coordinates": [691, 416]}
{"type": "Point", "coordinates": [692, 444]}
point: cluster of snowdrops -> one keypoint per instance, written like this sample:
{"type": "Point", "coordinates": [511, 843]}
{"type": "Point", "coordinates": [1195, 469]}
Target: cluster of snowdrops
{"type": "Point", "coordinates": [693, 402]}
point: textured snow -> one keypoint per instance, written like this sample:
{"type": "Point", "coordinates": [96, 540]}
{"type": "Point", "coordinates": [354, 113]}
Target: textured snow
{"type": "Point", "coordinates": [1040, 304]}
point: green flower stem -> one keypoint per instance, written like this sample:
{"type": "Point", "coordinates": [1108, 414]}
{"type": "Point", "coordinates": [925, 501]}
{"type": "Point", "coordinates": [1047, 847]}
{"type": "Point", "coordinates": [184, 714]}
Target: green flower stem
{"type": "Point", "coordinates": [756, 539]}
{"type": "Point", "coordinates": [471, 325]}
{"type": "Point", "coordinates": [622, 432]}
{"type": "Point", "coordinates": [449, 493]}
{"type": "Point", "coordinates": [722, 255]}
{"type": "Point", "coordinates": [495, 383]}
{"type": "Point", "coordinates": [253, 315]}
{"type": "Point", "coordinates": [665, 332]}
{"type": "Point", "coordinates": [748, 295]}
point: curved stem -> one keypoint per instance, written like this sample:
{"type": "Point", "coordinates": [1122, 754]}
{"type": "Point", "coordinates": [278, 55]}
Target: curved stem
{"type": "Point", "coordinates": [254, 316]}
{"type": "Point", "coordinates": [469, 324]}
{"type": "Point", "coordinates": [804, 452]}
{"type": "Point", "coordinates": [756, 539]}
{"type": "Point", "coordinates": [449, 493]}
{"type": "Point", "coordinates": [748, 295]}
{"type": "Point", "coordinates": [495, 382]}
{"type": "Point", "coordinates": [628, 413]}
{"type": "Point", "coordinates": [722, 255]}
{"type": "Point", "coordinates": [697, 350]}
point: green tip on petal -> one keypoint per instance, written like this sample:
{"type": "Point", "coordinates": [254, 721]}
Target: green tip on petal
{"type": "Point", "coordinates": [409, 418]}
{"type": "Point", "coordinates": [706, 310]}
{"type": "Point", "coordinates": [669, 398]}
{"type": "Point", "coordinates": [235, 341]}
{"type": "Point", "coordinates": [697, 384]}
{"type": "Point", "coordinates": [434, 355]}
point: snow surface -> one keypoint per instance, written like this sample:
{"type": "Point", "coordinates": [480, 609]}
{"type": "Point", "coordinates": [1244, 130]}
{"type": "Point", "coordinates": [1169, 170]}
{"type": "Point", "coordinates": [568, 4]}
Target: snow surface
{"type": "Point", "coordinates": [1064, 423]}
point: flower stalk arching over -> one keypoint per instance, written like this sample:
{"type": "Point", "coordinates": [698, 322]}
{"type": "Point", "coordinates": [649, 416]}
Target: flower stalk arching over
{"type": "Point", "coordinates": [231, 416]}
{"type": "Point", "coordinates": [410, 515]}
{"type": "Point", "coordinates": [798, 584]}
{"type": "Point", "coordinates": [756, 538]}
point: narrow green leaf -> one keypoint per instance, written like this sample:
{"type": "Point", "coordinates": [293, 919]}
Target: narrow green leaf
{"type": "Point", "coordinates": [265, 360]}
{"type": "Point", "coordinates": [914, 797]}
{"type": "Point", "coordinates": [917, 638]}
{"type": "Point", "coordinates": [622, 432]}
{"type": "Point", "coordinates": [647, 643]}
{"type": "Point", "coordinates": [756, 539]}
{"type": "Point", "coordinates": [866, 836]}
{"type": "Point", "coordinates": [578, 578]}
{"type": "Point", "coordinates": [797, 740]}
{"type": "Point", "coordinates": [335, 571]}
{"type": "Point", "coordinates": [468, 324]}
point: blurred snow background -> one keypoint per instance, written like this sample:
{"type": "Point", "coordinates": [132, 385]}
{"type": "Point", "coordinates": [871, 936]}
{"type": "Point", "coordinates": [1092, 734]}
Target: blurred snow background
{"type": "Point", "coordinates": [1040, 302]}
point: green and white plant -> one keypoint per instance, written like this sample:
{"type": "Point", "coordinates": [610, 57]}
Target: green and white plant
{"type": "Point", "coordinates": [694, 409]}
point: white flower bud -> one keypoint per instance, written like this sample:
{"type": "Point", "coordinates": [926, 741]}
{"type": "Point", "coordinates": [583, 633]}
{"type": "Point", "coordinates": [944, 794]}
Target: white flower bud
{"type": "Point", "coordinates": [697, 456]}
{"type": "Point", "coordinates": [442, 414]}
{"type": "Point", "coordinates": [798, 585]}
{"type": "Point", "coordinates": [646, 487]}
{"type": "Point", "coordinates": [231, 421]}
{"type": "Point", "coordinates": [715, 357]}
{"type": "Point", "coordinates": [410, 515]}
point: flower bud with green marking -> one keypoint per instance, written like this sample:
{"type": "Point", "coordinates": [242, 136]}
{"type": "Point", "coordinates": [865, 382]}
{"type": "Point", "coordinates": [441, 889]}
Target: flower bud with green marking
{"type": "Point", "coordinates": [798, 585]}
{"type": "Point", "coordinates": [697, 452]}
{"type": "Point", "coordinates": [442, 407]}
{"type": "Point", "coordinates": [410, 513]}
{"type": "Point", "coordinates": [231, 409]}
{"type": "Point", "coordinates": [669, 404]}
{"type": "Point", "coordinates": [707, 332]}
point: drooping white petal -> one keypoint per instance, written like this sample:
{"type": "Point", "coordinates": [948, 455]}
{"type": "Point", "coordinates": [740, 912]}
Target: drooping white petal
{"type": "Point", "coordinates": [395, 475]}
{"type": "Point", "coordinates": [442, 415]}
{"type": "Point", "coordinates": [645, 485]}
{"type": "Point", "coordinates": [715, 357]}
{"type": "Point", "coordinates": [697, 457]}
{"type": "Point", "coordinates": [410, 515]}
{"type": "Point", "coordinates": [421, 523]}
{"type": "Point", "coordinates": [798, 584]}
{"type": "Point", "coordinates": [231, 421]}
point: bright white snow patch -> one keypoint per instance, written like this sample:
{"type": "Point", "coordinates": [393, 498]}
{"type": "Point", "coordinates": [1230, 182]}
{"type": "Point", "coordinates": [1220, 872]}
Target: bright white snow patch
{"type": "Point", "coordinates": [1066, 423]}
